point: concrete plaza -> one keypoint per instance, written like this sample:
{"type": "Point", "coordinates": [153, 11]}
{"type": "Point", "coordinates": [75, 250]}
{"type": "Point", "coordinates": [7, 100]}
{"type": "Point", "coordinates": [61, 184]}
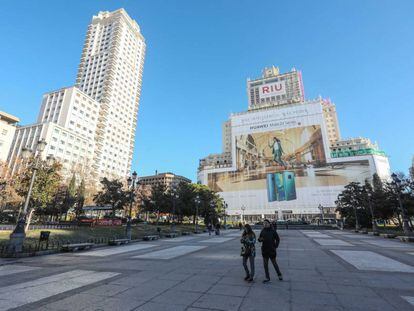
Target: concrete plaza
{"type": "Point", "coordinates": [326, 270]}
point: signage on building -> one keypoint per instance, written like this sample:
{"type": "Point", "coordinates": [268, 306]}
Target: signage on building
{"type": "Point", "coordinates": [272, 89]}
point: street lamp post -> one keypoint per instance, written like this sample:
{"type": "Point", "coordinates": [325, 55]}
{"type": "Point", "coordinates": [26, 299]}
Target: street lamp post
{"type": "Point", "coordinates": [197, 202]}
{"type": "Point", "coordinates": [406, 226]}
{"type": "Point", "coordinates": [371, 209]}
{"type": "Point", "coordinates": [174, 198]}
{"type": "Point", "coordinates": [18, 235]}
{"type": "Point", "coordinates": [243, 208]}
{"type": "Point", "coordinates": [320, 207]}
{"type": "Point", "coordinates": [356, 216]}
{"type": "Point", "coordinates": [132, 181]}
{"type": "Point", "coordinates": [225, 205]}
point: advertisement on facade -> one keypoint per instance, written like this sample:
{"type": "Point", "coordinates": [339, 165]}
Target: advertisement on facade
{"type": "Point", "coordinates": [281, 163]}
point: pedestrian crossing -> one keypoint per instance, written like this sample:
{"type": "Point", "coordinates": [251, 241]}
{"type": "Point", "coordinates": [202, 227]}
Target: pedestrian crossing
{"type": "Point", "coordinates": [361, 259]}
{"type": "Point", "coordinates": [12, 269]}
{"type": "Point", "coordinates": [171, 253]}
{"type": "Point", "coordinates": [216, 240]}
{"type": "Point", "coordinates": [20, 294]}
{"type": "Point", "coordinates": [409, 299]}
{"type": "Point", "coordinates": [332, 242]}
{"type": "Point", "coordinates": [367, 260]}
{"type": "Point", "coordinates": [180, 239]}
{"type": "Point", "coordinates": [116, 250]}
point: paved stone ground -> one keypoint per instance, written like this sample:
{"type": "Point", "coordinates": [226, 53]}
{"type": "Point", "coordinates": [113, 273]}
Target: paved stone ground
{"type": "Point", "coordinates": [329, 270]}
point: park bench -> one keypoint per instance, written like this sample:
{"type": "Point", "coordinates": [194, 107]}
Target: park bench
{"type": "Point", "coordinates": [388, 235]}
{"type": "Point", "coordinates": [373, 233]}
{"type": "Point", "coordinates": [171, 235]}
{"type": "Point", "coordinates": [151, 237]}
{"type": "Point", "coordinates": [186, 233]}
{"type": "Point", "coordinates": [406, 238]}
{"type": "Point", "coordinates": [118, 241]}
{"type": "Point", "coordinates": [76, 246]}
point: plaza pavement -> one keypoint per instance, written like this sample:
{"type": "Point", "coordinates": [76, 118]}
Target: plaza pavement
{"type": "Point", "coordinates": [325, 270]}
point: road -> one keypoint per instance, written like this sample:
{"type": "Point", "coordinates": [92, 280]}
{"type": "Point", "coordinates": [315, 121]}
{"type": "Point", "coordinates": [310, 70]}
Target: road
{"type": "Point", "coordinates": [325, 270]}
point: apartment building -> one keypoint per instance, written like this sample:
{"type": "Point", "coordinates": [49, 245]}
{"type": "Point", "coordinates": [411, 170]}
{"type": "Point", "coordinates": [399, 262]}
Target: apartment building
{"type": "Point", "coordinates": [93, 123]}
{"type": "Point", "coordinates": [8, 124]}
{"type": "Point", "coordinates": [110, 72]}
{"type": "Point", "coordinates": [168, 179]}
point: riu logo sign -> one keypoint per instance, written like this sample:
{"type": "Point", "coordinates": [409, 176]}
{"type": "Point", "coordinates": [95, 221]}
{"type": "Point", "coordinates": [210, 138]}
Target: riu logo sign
{"type": "Point", "coordinates": [272, 89]}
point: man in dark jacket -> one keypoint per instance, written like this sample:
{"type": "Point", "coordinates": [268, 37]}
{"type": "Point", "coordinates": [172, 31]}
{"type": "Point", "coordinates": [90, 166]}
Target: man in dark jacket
{"type": "Point", "coordinates": [270, 241]}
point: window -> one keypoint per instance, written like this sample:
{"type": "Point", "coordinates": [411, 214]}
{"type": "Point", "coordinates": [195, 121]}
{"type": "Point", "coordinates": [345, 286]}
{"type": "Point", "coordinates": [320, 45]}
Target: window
{"type": "Point", "coordinates": [4, 132]}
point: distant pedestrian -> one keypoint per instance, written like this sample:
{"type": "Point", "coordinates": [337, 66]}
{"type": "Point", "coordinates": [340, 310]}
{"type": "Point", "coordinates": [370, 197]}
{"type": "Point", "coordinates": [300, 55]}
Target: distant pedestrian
{"type": "Point", "coordinates": [209, 228]}
{"type": "Point", "coordinates": [270, 241]}
{"type": "Point", "coordinates": [274, 225]}
{"type": "Point", "coordinates": [240, 226]}
{"type": "Point", "coordinates": [218, 228]}
{"type": "Point", "coordinates": [248, 251]}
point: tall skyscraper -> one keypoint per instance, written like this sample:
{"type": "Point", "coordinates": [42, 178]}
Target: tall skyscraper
{"type": "Point", "coordinates": [92, 124]}
{"type": "Point", "coordinates": [110, 71]}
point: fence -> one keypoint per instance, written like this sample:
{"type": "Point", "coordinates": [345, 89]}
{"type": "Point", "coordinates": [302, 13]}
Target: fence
{"type": "Point", "coordinates": [34, 227]}
{"type": "Point", "coordinates": [31, 248]}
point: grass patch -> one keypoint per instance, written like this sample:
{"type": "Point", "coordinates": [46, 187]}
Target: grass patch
{"type": "Point", "coordinates": [83, 234]}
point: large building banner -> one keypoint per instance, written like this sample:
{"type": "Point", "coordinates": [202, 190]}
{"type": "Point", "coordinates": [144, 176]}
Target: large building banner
{"type": "Point", "coordinates": [281, 163]}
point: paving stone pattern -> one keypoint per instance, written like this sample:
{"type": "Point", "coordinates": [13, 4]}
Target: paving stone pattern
{"type": "Point", "coordinates": [323, 270]}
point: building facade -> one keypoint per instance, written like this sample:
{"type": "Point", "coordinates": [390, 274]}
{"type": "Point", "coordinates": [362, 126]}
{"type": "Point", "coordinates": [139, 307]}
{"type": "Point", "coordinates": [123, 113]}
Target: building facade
{"type": "Point", "coordinates": [274, 88]}
{"type": "Point", "coordinates": [8, 124]}
{"type": "Point", "coordinates": [93, 123]}
{"type": "Point", "coordinates": [287, 159]}
{"type": "Point", "coordinates": [72, 150]}
{"type": "Point", "coordinates": [110, 71]}
{"type": "Point", "coordinates": [168, 179]}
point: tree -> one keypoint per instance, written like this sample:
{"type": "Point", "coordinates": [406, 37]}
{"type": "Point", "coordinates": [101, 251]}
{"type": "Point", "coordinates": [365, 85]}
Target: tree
{"type": "Point", "coordinates": [80, 198]}
{"type": "Point", "coordinates": [45, 186]}
{"type": "Point", "coordinates": [210, 204]}
{"type": "Point", "coordinates": [351, 204]}
{"type": "Point", "coordinates": [70, 196]}
{"type": "Point", "coordinates": [112, 194]}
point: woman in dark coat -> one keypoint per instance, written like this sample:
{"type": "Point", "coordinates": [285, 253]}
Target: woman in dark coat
{"type": "Point", "coordinates": [270, 241]}
{"type": "Point", "coordinates": [248, 251]}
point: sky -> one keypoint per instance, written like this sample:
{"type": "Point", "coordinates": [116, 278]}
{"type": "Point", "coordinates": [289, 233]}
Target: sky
{"type": "Point", "coordinates": [200, 54]}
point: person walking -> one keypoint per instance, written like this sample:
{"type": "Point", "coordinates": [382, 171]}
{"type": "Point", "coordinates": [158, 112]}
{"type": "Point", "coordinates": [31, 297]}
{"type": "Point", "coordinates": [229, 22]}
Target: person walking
{"type": "Point", "coordinates": [248, 251]}
{"type": "Point", "coordinates": [218, 228]}
{"type": "Point", "coordinates": [209, 228]}
{"type": "Point", "coordinates": [270, 241]}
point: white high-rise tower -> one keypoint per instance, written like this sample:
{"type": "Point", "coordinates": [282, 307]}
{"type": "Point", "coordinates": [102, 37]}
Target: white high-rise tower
{"type": "Point", "coordinates": [91, 126]}
{"type": "Point", "coordinates": [110, 71]}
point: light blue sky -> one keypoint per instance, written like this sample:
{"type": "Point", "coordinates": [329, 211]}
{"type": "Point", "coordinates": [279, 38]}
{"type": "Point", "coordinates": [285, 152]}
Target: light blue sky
{"type": "Point", "coordinates": [200, 53]}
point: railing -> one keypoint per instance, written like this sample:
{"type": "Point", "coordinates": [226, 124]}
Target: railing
{"type": "Point", "coordinates": [34, 227]}
{"type": "Point", "coordinates": [33, 248]}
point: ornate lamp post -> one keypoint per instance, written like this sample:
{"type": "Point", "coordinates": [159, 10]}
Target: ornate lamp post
{"type": "Point", "coordinates": [371, 209]}
{"type": "Point", "coordinates": [243, 208]}
{"type": "Point", "coordinates": [18, 235]}
{"type": "Point", "coordinates": [197, 203]}
{"type": "Point", "coordinates": [398, 185]}
{"type": "Point", "coordinates": [174, 199]}
{"type": "Point", "coordinates": [225, 205]}
{"type": "Point", "coordinates": [132, 182]}
{"type": "Point", "coordinates": [320, 207]}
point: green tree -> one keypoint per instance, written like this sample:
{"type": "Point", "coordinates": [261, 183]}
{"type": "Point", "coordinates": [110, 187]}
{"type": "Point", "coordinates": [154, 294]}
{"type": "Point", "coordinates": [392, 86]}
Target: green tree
{"type": "Point", "coordinates": [351, 204]}
{"type": "Point", "coordinates": [70, 196]}
{"type": "Point", "coordinates": [45, 186]}
{"type": "Point", "coordinates": [112, 194]}
{"type": "Point", "coordinates": [210, 204]}
{"type": "Point", "coordinates": [80, 198]}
